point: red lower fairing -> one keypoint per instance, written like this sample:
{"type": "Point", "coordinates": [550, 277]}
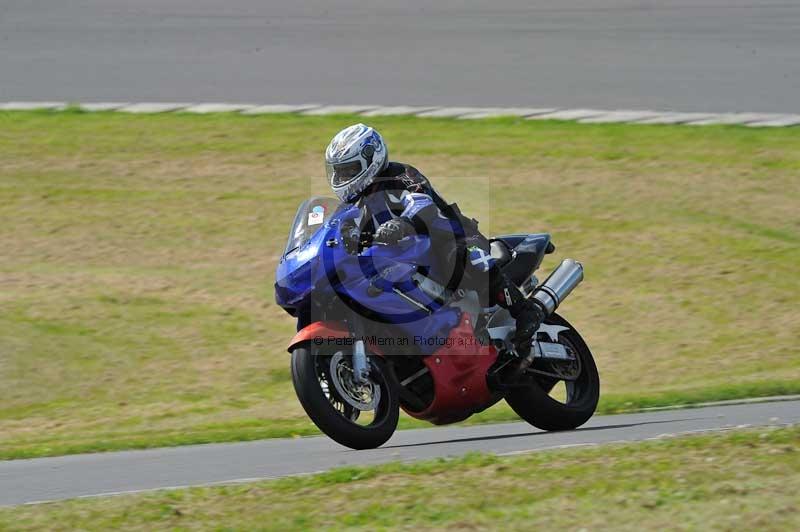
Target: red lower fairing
{"type": "Point", "coordinates": [459, 372]}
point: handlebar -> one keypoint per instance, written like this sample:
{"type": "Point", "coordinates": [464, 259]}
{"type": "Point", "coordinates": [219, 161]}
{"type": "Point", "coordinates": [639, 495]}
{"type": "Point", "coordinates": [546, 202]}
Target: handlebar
{"type": "Point", "coordinates": [357, 241]}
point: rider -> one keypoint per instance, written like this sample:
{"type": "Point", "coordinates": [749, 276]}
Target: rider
{"type": "Point", "coordinates": [399, 201]}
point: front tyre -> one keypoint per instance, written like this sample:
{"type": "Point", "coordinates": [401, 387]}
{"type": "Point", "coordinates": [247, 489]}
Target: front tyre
{"type": "Point", "coordinates": [354, 415]}
{"type": "Point", "coordinates": [535, 403]}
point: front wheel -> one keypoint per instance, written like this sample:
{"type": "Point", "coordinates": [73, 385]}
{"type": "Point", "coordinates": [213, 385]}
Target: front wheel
{"type": "Point", "coordinates": [541, 405]}
{"type": "Point", "coordinates": [357, 415]}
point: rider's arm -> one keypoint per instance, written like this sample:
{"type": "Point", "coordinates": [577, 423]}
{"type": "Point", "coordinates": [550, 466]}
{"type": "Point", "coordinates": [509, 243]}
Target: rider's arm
{"type": "Point", "coordinates": [420, 211]}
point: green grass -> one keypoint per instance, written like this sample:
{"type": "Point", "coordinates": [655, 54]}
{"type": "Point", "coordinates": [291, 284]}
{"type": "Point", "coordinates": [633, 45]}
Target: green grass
{"type": "Point", "coordinates": [745, 480]}
{"type": "Point", "coordinates": [137, 257]}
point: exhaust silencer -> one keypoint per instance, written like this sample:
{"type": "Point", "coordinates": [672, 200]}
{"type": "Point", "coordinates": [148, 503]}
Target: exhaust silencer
{"type": "Point", "coordinates": [558, 285]}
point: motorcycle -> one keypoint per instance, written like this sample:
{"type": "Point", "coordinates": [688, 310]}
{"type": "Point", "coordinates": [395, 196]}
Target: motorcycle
{"type": "Point", "coordinates": [377, 333]}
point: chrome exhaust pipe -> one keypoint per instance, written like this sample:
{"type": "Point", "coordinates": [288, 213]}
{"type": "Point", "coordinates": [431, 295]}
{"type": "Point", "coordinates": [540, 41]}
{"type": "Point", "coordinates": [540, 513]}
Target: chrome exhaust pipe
{"type": "Point", "coordinates": [558, 285]}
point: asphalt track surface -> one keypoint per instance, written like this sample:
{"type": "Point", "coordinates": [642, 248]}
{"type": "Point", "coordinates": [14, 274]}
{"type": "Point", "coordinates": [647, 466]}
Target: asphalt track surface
{"type": "Point", "coordinates": [44, 479]}
{"type": "Point", "coordinates": [685, 55]}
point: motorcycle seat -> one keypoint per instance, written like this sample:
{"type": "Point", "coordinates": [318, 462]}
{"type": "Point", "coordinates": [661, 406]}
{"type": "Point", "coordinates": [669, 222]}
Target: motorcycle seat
{"type": "Point", "coordinates": [500, 252]}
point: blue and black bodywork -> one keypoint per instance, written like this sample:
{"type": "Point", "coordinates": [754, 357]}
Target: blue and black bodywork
{"type": "Point", "coordinates": [521, 254]}
{"type": "Point", "coordinates": [317, 279]}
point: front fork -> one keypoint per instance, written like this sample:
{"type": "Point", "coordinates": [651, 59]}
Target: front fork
{"type": "Point", "coordinates": [360, 364]}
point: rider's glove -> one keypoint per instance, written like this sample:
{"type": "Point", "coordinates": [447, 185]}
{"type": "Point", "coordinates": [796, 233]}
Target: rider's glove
{"type": "Point", "coordinates": [392, 231]}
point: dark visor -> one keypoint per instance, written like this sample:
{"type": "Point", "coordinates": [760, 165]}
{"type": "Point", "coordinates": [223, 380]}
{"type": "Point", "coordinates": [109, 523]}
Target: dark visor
{"type": "Point", "coordinates": [341, 173]}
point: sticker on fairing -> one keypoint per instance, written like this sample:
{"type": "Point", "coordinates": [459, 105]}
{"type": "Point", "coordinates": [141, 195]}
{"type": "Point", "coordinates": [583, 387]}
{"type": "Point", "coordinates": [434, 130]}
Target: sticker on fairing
{"type": "Point", "coordinates": [317, 215]}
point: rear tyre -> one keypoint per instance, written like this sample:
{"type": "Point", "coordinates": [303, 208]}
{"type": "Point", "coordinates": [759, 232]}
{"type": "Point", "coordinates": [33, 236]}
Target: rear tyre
{"type": "Point", "coordinates": [333, 414]}
{"type": "Point", "coordinates": [537, 407]}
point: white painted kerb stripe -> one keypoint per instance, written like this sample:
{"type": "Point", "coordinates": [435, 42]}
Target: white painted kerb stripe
{"type": "Point", "coordinates": [586, 116]}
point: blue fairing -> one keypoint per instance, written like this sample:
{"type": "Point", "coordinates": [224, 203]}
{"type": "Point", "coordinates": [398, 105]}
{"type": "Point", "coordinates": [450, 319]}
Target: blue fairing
{"type": "Point", "coordinates": [319, 269]}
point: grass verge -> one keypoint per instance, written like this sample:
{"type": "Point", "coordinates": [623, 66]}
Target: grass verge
{"type": "Point", "coordinates": [137, 253]}
{"type": "Point", "coordinates": [746, 480]}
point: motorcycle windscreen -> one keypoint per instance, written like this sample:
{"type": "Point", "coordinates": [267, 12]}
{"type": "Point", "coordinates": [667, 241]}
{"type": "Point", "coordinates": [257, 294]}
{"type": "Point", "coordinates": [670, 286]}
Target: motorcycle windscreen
{"type": "Point", "coordinates": [311, 215]}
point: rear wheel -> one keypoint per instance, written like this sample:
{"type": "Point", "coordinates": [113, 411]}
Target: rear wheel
{"type": "Point", "coordinates": [561, 396]}
{"type": "Point", "coordinates": [357, 415]}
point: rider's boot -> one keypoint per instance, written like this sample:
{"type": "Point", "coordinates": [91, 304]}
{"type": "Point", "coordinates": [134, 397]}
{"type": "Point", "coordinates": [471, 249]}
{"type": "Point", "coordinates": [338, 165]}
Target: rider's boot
{"type": "Point", "coordinates": [528, 314]}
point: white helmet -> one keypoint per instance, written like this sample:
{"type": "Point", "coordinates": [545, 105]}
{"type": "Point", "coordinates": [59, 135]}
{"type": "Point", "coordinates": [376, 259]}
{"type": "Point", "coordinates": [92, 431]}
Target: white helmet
{"type": "Point", "coordinates": [354, 157]}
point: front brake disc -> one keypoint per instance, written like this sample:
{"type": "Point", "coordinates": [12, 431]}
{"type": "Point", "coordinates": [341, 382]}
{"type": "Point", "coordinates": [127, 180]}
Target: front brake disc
{"type": "Point", "coordinates": [362, 396]}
